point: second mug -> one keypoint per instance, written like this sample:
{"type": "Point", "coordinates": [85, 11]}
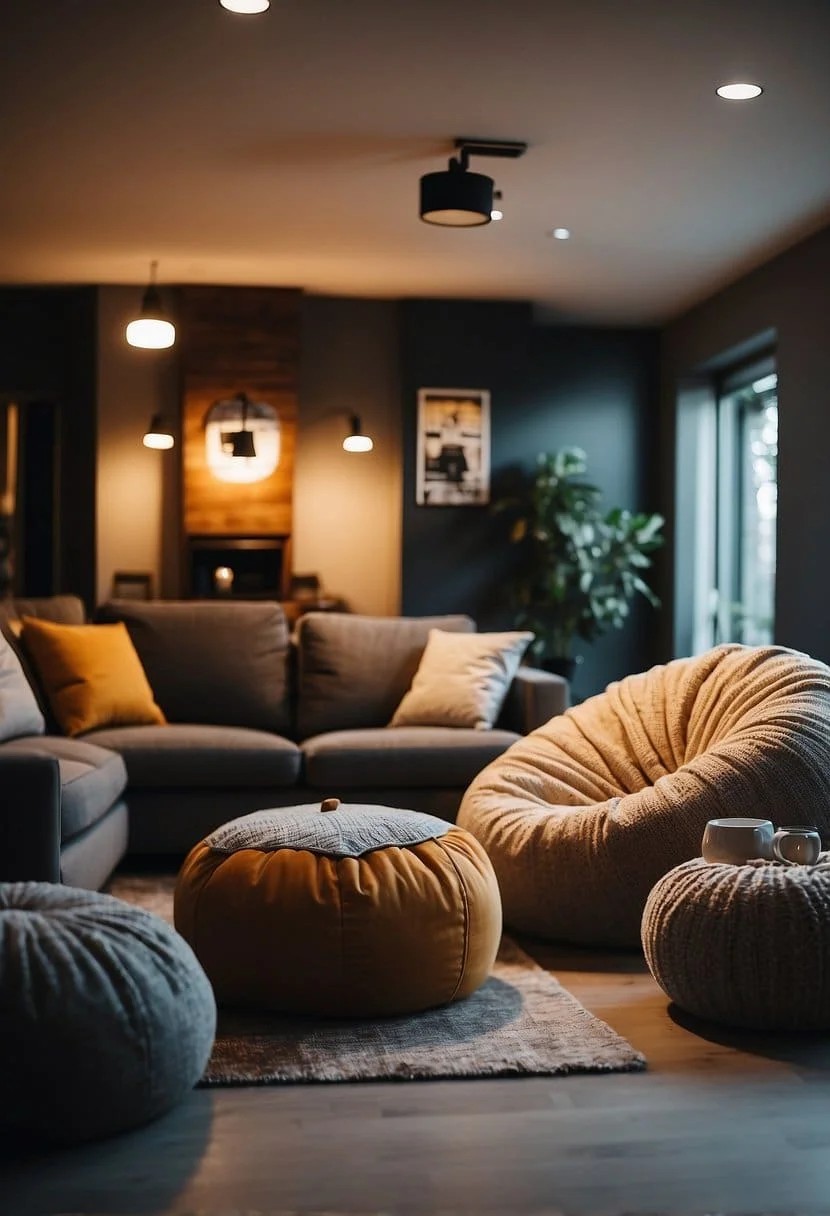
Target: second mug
{"type": "Point", "coordinates": [798, 846]}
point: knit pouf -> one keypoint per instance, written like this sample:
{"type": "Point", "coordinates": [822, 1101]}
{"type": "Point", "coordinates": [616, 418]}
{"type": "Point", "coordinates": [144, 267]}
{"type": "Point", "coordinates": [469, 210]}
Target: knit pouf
{"type": "Point", "coordinates": [744, 945]}
{"type": "Point", "coordinates": [340, 910]}
{"type": "Point", "coordinates": [582, 816]}
{"type": "Point", "coordinates": [106, 1017]}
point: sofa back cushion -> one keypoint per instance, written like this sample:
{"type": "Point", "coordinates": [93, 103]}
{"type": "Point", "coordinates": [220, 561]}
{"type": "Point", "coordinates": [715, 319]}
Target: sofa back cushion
{"type": "Point", "coordinates": [352, 671]}
{"type": "Point", "coordinates": [215, 663]}
{"type": "Point", "coordinates": [19, 711]}
{"type": "Point", "coordinates": [63, 610]}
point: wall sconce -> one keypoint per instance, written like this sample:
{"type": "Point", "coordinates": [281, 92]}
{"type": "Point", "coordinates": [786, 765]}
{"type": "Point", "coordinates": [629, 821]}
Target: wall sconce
{"type": "Point", "coordinates": [356, 440]}
{"type": "Point", "coordinates": [158, 435]}
{"type": "Point", "coordinates": [456, 198]}
{"type": "Point", "coordinates": [152, 329]}
{"type": "Point", "coordinates": [242, 439]}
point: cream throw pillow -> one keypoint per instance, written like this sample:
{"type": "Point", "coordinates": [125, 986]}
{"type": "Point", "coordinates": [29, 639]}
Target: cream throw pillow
{"type": "Point", "coordinates": [462, 679]}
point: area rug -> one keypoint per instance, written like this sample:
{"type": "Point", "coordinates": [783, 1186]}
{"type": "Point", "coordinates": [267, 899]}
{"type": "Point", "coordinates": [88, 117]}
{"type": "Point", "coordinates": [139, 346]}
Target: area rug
{"type": "Point", "coordinates": [520, 1022]}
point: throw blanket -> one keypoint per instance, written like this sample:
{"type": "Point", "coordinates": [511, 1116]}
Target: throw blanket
{"type": "Point", "coordinates": [584, 815]}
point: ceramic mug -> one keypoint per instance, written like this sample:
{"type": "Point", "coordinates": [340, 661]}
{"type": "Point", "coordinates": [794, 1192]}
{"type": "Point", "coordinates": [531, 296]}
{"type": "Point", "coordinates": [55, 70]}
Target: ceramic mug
{"type": "Point", "coordinates": [736, 840]}
{"type": "Point", "coordinates": [798, 846]}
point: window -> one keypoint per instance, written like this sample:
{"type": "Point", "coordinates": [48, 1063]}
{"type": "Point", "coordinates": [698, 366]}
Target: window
{"type": "Point", "coordinates": [746, 507]}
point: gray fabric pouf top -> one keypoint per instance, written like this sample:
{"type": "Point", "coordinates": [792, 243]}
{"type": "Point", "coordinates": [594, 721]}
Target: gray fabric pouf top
{"type": "Point", "coordinates": [745, 945]}
{"type": "Point", "coordinates": [106, 1017]}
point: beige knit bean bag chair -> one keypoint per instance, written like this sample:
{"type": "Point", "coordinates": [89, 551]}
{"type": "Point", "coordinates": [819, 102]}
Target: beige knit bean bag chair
{"type": "Point", "coordinates": [583, 816]}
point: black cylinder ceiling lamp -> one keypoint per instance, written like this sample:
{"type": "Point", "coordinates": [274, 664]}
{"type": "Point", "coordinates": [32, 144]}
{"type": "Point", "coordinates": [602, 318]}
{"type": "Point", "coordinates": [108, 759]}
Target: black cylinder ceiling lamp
{"type": "Point", "coordinates": [457, 198]}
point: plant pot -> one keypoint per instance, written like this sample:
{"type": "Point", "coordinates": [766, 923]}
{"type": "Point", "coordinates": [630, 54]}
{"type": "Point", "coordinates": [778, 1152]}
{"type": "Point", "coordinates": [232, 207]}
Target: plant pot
{"type": "Point", "coordinates": [560, 667]}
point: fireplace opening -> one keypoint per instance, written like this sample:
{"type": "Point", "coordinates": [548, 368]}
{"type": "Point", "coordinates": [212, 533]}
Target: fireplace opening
{"type": "Point", "coordinates": [238, 567]}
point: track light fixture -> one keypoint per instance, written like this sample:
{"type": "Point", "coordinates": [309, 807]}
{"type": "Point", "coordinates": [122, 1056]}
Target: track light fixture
{"type": "Point", "coordinates": [152, 329]}
{"type": "Point", "coordinates": [457, 198]}
{"type": "Point", "coordinates": [356, 440]}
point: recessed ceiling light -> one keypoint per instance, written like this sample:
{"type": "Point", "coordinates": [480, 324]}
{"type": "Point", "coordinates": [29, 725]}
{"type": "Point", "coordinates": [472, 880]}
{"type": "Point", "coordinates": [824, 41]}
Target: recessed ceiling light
{"type": "Point", "coordinates": [739, 91]}
{"type": "Point", "coordinates": [561, 234]}
{"type": "Point", "coordinates": [246, 6]}
{"type": "Point", "coordinates": [495, 214]}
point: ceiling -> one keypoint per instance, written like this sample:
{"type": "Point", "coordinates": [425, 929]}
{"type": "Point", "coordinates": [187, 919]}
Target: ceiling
{"type": "Point", "coordinates": [286, 148]}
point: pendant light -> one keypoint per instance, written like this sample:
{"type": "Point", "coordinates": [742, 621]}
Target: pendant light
{"type": "Point", "coordinates": [242, 439]}
{"type": "Point", "coordinates": [152, 329]}
{"type": "Point", "coordinates": [356, 441]}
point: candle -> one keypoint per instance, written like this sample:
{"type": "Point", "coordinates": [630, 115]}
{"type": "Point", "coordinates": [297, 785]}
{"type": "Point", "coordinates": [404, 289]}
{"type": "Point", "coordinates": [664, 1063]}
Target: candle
{"type": "Point", "coordinates": [223, 580]}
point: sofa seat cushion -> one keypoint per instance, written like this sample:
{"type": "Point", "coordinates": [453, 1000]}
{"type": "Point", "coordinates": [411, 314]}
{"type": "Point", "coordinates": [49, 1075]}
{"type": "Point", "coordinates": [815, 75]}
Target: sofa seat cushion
{"type": "Point", "coordinates": [401, 756]}
{"type": "Point", "coordinates": [181, 755]}
{"type": "Point", "coordinates": [92, 778]}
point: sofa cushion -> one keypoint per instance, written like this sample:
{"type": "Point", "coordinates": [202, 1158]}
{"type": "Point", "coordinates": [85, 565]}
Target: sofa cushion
{"type": "Point", "coordinates": [221, 664]}
{"type": "Point", "coordinates": [63, 609]}
{"type": "Point", "coordinates": [221, 757]}
{"type": "Point", "coordinates": [92, 778]}
{"type": "Point", "coordinates": [462, 681]}
{"type": "Point", "coordinates": [19, 712]}
{"type": "Point", "coordinates": [408, 755]}
{"type": "Point", "coordinates": [352, 671]}
{"type": "Point", "coordinates": [91, 673]}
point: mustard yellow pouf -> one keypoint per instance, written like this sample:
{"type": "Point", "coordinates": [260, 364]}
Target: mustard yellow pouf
{"type": "Point", "coordinates": [340, 911]}
{"type": "Point", "coordinates": [744, 945]}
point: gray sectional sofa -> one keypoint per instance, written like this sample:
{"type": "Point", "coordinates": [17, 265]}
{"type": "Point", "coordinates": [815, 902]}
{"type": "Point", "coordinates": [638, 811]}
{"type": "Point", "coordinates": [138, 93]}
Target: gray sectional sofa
{"type": "Point", "coordinates": [255, 718]}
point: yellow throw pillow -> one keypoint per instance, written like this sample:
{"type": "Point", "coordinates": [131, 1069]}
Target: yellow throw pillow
{"type": "Point", "coordinates": [91, 674]}
{"type": "Point", "coordinates": [462, 679]}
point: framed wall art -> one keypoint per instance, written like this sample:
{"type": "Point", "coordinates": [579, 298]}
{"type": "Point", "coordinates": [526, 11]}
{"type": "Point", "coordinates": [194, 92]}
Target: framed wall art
{"type": "Point", "coordinates": [131, 585]}
{"type": "Point", "coordinates": [453, 456]}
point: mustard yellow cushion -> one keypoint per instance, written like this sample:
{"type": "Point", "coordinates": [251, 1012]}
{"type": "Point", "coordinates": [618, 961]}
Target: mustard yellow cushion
{"type": "Point", "coordinates": [91, 675]}
{"type": "Point", "coordinates": [367, 911]}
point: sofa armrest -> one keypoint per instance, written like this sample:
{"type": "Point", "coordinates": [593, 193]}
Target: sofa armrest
{"type": "Point", "coordinates": [534, 697]}
{"type": "Point", "coordinates": [30, 818]}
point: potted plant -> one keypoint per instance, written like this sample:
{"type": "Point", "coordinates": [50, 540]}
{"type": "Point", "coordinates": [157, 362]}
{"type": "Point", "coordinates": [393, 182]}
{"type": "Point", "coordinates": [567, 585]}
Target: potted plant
{"type": "Point", "coordinates": [579, 567]}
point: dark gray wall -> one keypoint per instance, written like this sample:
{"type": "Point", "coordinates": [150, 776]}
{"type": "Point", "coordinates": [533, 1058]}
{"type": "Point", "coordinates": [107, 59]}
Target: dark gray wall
{"type": "Point", "coordinates": [791, 296]}
{"type": "Point", "coordinates": [551, 387]}
{"type": "Point", "coordinates": [48, 345]}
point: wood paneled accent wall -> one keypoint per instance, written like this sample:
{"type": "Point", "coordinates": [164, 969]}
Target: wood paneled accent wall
{"type": "Point", "coordinates": [238, 339]}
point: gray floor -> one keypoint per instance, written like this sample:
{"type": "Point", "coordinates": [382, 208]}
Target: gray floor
{"type": "Point", "coordinates": [721, 1122]}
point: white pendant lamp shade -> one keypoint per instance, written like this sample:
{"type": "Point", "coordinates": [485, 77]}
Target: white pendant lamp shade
{"type": "Point", "coordinates": [152, 329]}
{"type": "Point", "coordinates": [246, 6]}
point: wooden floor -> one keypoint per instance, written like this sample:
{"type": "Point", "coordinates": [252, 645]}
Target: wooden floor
{"type": "Point", "coordinates": [719, 1123]}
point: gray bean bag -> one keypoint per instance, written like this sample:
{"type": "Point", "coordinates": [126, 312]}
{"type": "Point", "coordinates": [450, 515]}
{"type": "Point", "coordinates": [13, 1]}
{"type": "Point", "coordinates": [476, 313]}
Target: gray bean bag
{"type": "Point", "coordinates": [106, 1017]}
{"type": "Point", "coordinates": [583, 816]}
